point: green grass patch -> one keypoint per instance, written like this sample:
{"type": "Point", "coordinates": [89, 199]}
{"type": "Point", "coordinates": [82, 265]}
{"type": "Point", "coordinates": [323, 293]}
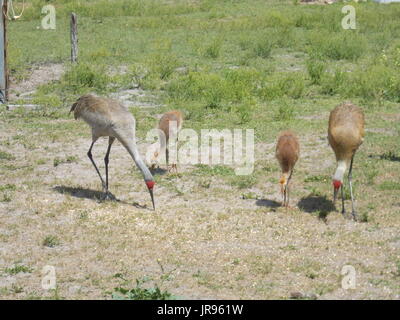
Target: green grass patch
{"type": "Point", "coordinates": [18, 268]}
{"type": "Point", "coordinates": [389, 185]}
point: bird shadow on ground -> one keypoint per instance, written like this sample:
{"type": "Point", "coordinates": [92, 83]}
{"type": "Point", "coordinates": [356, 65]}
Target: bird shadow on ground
{"type": "Point", "coordinates": [93, 195]}
{"type": "Point", "coordinates": [317, 204]}
{"type": "Point", "coordinates": [268, 203]}
{"type": "Point", "coordinates": [386, 156]}
{"type": "Point", "coordinates": [158, 171]}
{"type": "Point", "coordinates": [84, 193]}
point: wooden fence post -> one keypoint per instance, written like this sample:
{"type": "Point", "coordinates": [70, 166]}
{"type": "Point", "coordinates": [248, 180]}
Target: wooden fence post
{"type": "Point", "coordinates": [3, 54]}
{"type": "Point", "coordinates": [74, 38]}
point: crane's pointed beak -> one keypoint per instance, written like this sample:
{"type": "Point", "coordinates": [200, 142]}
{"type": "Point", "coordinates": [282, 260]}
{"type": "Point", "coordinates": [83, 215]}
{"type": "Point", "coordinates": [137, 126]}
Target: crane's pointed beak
{"type": "Point", "coordinates": [152, 198]}
{"type": "Point", "coordinates": [150, 185]}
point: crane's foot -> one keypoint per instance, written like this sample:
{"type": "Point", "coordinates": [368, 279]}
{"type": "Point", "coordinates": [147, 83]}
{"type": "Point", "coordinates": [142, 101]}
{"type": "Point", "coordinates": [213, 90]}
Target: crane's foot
{"type": "Point", "coordinates": [354, 215]}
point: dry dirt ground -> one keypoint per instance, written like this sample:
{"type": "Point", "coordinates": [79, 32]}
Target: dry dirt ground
{"type": "Point", "coordinates": [205, 240]}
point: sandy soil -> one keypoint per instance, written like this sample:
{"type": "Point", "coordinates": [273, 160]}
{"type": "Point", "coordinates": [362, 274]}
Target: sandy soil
{"type": "Point", "coordinates": [205, 240]}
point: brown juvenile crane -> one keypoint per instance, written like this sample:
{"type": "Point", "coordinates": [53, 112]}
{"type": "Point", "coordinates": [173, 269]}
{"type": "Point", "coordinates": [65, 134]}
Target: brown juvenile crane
{"type": "Point", "coordinates": [287, 153]}
{"type": "Point", "coordinates": [110, 118]}
{"type": "Point", "coordinates": [169, 126]}
{"type": "Point", "coordinates": [345, 135]}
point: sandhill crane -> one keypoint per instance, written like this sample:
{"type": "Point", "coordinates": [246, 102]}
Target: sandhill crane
{"type": "Point", "coordinates": [169, 126]}
{"type": "Point", "coordinates": [287, 153]}
{"type": "Point", "coordinates": [345, 135]}
{"type": "Point", "coordinates": [110, 118]}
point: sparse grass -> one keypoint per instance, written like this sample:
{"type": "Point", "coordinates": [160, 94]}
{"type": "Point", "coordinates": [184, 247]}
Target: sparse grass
{"type": "Point", "coordinates": [6, 156]}
{"type": "Point", "coordinates": [8, 187]}
{"type": "Point", "coordinates": [51, 241]}
{"type": "Point", "coordinates": [284, 113]}
{"type": "Point", "coordinates": [315, 70]}
{"type": "Point", "coordinates": [70, 159]}
{"type": "Point", "coordinates": [389, 185]}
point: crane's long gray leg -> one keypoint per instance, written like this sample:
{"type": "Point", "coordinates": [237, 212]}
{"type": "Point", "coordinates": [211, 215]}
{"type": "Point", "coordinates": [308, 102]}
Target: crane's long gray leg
{"type": "Point", "coordinates": [106, 160]}
{"type": "Point", "coordinates": [175, 165]}
{"type": "Point", "coordinates": [343, 210]}
{"type": "Point", "coordinates": [353, 211]}
{"type": "Point", "coordinates": [287, 187]}
{"type": "Point", "coordinates": [167, 157]}
{"type": "Point", "coordinates": [284, 197]}
{"type": "Point", "coordinates": [94, 164]}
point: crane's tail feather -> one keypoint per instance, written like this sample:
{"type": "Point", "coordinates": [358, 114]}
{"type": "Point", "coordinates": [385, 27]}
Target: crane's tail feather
{"type": "Point", "coordinates": [73, 109]}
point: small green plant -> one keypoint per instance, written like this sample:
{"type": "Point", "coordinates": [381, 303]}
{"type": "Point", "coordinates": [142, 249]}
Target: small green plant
{"type": "Point", "coordinates": [249, 195]}
{"type": "Point", "coordinates": [18, 268]}
{"type": "Point", "coordinates": [8, 187]}
{"type": "Point", "coordinates": [318, 178]}
{"type": "Point", "coordinates": [292, 85]}
{"type": "Point", "coordinates": [164, 64]}
{"type": "Point", "coordinates": [244, 112]}
{"type": "Point", "coordinates": [364, 217]}
{"type": "Point", "coordinates": [315, 70]}
{"type": "Point", "coordinates": [50, 241]}
{"type": "Point", "coordinates": [140, 293]}
{"type": "Point", "coordinates": [6, 198]}
{"type": "Point", "coordinates": [331, 84]}
{"type": "Point", "coordinates": [6, 156]}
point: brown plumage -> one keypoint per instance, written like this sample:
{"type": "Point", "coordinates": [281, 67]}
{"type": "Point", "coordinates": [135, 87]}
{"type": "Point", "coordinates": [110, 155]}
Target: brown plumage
{"type": "Point", "coordinates": [108, 117]}
{"type": "Point", "coordinates": [287, 153]}
{"type": "Point", "coordinates": [345, 135]}
{"type": "Point", "coordinates": [170, 123]}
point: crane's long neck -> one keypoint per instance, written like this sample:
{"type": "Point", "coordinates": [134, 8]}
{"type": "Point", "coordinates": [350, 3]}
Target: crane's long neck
{"type": "Point", "coordinates": [340, 170]}
{"type": "Point", "coordinates": [133, 151]}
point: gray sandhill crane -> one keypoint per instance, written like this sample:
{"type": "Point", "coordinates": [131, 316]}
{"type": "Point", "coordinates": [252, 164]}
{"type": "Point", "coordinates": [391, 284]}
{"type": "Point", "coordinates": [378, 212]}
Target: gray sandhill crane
{"type": "Point", "coordinates": [110, 118]}
{"type": "Point", "coordinates": [287, 152]}
{"type": "Point", "coordinates": [169, 126]}
{"type": "Point", "coordinates": [345, 135]}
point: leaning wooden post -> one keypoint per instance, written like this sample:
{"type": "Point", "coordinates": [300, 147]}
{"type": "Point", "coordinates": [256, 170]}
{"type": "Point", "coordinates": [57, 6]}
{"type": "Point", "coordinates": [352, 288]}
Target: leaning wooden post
{"type": "Point", "coordinates": [3, 54]}
{"type": "Point", "coordinates": [74, 38]}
